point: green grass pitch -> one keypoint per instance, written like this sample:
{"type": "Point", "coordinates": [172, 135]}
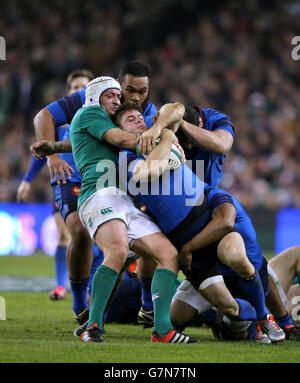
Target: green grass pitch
{"type": "Point", "coordinates": [37, 330]}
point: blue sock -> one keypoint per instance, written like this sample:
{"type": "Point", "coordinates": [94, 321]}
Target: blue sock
{"type": "Point", "coordinates": [253, 288]}
{"type": "Point", "coordinates": [79, 291]}
{"type": "Point", "coordinates": [284, 320]}
{"type": "Point", "coordinates": [147, 303]}
{"type": "Point", "coordinates": [97, 261]}
{"type": "Point", "coordinates": [246, 310]}
{"type": "Point", "coordinates": [60, 265]}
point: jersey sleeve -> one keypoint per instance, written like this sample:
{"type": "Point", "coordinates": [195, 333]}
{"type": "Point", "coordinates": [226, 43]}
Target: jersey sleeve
{"type": "Point", "coordinates": [97, 122]}
{"type": "Point", "coordinates": [64, 109]}
{"type": "Point", "coordinates": [67, 134]}
{"type": "Point", "coordinates": [34, 168]}
{"type": "Point", "coordinates": [219, 121]}
{"type": "Point", "coordinates": [217, 197]}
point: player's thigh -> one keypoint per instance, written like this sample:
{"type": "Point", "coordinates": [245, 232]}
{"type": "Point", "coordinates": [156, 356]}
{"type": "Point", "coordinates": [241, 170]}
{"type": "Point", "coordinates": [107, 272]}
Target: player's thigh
{"type": "Point", "coordinates": [187, 304]}
{"type": "Point", "coordinates": [284, 266]}
{"type": "Point", "coordinates": [76, 229]}
{"type": "Point", "coordinates": [158, 247]}
{"type": "Point", "coordinates": [181, 313]}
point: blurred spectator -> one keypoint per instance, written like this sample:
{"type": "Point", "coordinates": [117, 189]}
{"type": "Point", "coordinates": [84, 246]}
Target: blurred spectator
{"type": "Point", "coordinates": [234, 58]}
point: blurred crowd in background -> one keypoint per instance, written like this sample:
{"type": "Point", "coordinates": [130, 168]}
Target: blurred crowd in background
{"type": "Point", "coordinates": [235, 58]}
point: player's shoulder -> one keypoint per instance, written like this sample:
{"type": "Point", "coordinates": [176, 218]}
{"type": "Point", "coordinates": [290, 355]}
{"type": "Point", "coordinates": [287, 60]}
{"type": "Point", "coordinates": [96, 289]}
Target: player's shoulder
{"type": "Point", "coordinates": [213, 113]}
{"type": "Point", "coordinates": [86, 115]}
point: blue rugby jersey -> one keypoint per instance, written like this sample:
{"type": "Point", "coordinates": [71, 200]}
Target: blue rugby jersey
{"type": "Point", "coordinates": [170, 198]}
{"type": "Point", "coordinates": [212, 121]}
{"type": "Point", "coordinates": [170, 209]}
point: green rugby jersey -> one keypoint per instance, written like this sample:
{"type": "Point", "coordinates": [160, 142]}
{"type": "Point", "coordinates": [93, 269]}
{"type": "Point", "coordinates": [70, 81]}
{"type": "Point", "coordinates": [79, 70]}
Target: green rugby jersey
{"type": "Point", "coordinates": [96, 160]}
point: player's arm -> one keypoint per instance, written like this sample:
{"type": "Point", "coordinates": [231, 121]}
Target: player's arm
{"type": "Point", "coordinates": [169, 116]}
{"type": "Point", "coordinates": [120, 138]}
{"type": "Point", "coordinates": [222, 223]}
{"type": "Point", "coordinates": [25, 185]}
{"type": "Point", "coordinates": [217, 141]}
{"type": "Point", "coordinates": [45, 148]}
{"type": "Point", "coordinates": [57, 113]}
{"type": "Point", "coordinates": [156, 163]}
{"type": "Point", "coordinates": [57, 166]}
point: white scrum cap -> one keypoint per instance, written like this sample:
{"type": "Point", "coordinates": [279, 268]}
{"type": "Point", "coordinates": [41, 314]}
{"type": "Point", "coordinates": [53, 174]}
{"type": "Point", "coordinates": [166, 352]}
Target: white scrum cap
{"type": "Point", "coordinates": [96, 87]}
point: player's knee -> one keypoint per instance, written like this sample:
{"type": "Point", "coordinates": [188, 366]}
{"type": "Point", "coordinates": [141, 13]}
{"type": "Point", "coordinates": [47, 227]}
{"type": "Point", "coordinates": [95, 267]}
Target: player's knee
{"type": "Point", "coordinates": [229, 308]}
{"type": "Point", "coordinates": [80, 235]}
{"type": "Point", "coordinates": [168, 254]}
{"type": "Point", "coordinates": [240, 263]}
{"type": "Point", "coordinates": [115, 255]}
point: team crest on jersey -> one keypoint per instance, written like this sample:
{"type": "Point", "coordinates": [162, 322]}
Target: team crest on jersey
{"type": "Point", "coordinates": [76, 190]}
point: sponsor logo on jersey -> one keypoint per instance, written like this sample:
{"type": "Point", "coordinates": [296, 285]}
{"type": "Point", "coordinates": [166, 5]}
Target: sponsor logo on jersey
{"type": "Point", "coordinates": [106, 210]}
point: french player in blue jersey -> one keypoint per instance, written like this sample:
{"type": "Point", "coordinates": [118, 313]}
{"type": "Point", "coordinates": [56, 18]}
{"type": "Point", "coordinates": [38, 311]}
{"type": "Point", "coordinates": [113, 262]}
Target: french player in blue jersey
{"type": "Point", "coordinates": [206, 135]}
{"type": "Point", "coordinates": [218, 226]}
{"type": "Point", "coordinates": [63, 237]}
{"type": "Point", "coordinates": [76, 80]}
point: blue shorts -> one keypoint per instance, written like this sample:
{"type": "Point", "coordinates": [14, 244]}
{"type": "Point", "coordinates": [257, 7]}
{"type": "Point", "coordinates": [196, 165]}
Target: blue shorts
{"type": "Point", "coordinates": [204, 261]}
{"type": "Point", "coordinates": [66, 196]}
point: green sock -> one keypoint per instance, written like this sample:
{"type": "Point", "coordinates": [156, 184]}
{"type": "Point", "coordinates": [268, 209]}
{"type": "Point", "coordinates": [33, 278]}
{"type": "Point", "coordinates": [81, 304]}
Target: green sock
{"type": "Point", "coordinates": [103, 283]}
{"type": "Point", "coordinates": [163, 287]}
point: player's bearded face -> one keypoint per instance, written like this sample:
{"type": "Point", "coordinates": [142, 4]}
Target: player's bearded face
{"type": "Point", "coordinates": [135, 89]}
{"type": "Point", "coordinates": [110, 101]}
{"type": "Point", "coordinates": [132, 121]}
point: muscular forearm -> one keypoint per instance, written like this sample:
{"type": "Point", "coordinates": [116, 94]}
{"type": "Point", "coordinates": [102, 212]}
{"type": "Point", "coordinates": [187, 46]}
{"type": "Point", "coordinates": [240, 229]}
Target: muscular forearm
{"type": "Point", "coordinates": [62, 146]}
{"type": "Point", "coordinates": [169, 115]}
{"type": "Point", "coordinates": [213, 232]}
{"type": "Point", "coordinates": [44, 126]}
{"type": "Point", "coordinates": [222, 223]}
{"type": "Point", "coordinates": [157, 161]}
{"type": "Point", "coordinates": [121, 139]}
{"type": "Point", "coordinates": [218, 142]}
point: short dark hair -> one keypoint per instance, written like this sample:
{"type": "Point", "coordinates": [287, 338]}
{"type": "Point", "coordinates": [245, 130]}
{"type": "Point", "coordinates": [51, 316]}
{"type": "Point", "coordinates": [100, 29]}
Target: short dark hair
{"type": "Point", "coordinates": [124, 108]}
{"type": "Point", "coordinates": [191, 115]}
{"type": "Point", "coordinates": [78, 73]}
{"type": "Point", "coordinates": [135, 69]}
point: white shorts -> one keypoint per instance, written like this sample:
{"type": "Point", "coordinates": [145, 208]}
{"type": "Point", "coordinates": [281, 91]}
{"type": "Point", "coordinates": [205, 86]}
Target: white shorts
{"type": "Point", "coordinates": [187, 293]}
{"type": "Point", "coordinates": [108, 204]}
{"type": "Point", "coordinates": [278, 284]}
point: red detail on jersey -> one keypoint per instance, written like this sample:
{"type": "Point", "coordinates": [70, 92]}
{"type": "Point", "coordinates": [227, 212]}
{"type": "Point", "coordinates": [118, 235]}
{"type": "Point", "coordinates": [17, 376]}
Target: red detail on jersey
{"type": "Point", "coordinates": [76, 190]}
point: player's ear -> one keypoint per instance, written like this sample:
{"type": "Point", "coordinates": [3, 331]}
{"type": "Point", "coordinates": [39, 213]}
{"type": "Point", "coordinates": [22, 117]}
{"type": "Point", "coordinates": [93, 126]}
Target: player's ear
{"type": "Point", "coordinates": [200, 122]}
